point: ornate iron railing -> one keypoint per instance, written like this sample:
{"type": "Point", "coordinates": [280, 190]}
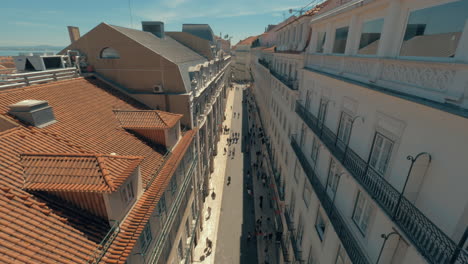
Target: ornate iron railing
{"type": "Point", "coordinates": [285, 249]}
{"type": "Point", "coordinates": [296, 247]}
{"type": "Point", "coordinates": [159, 246]}
{"type": "Point", "coordinates": [290, 83]}
{"type": "Point", "coordinates": [289, 219]}
{"type": "Point", "coordinates": [188, 253]}
{"type": "Point", "coordinates": [430, 241]}
{"type": "Point", "coordinates": [355, 253]}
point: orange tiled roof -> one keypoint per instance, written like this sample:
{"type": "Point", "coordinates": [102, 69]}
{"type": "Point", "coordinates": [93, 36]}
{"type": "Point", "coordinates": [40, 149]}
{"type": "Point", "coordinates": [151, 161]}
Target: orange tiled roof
{"type": "Point", "coordinates": [247, 41]}
{"type": "Point", "coordinates": [146, 119]}
{"type": "Point", "coordinates": [76, 172]}
{"type": "Point", "coordinates": [36, 227]}
{"type": "Point", "coordinates": [131, 228]}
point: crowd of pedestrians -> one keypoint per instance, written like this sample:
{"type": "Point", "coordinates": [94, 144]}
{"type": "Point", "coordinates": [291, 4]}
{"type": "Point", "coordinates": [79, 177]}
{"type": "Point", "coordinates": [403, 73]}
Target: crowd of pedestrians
{"type": "Point", "coordinates": [264, 233]}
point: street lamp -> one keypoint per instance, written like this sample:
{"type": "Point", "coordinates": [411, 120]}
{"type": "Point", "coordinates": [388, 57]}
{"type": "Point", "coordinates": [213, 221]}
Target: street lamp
{"type": "Point", "coordinates": [385, 237]}
{"type": "Point", "coordinates": [413, 160]}
{"type": "Point", "coordinates": [350, 131]}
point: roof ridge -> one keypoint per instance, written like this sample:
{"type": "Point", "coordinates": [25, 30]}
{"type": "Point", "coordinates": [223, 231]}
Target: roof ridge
{"type": "Point", "coordinates": [39, 86]}
{"type": "Point", "coordinates": [105, 173]}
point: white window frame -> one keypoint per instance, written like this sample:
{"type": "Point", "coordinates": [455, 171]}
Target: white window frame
{"type": "Point", "coordinates": [344, 127]}
{"type": "Point", "coordinates": [127, 194]}
{"type": "Point", "coordinates": [145, 238]}
{"type": "Point", "coordinates": [307, 193]}
{"type": "Point", "coordinates": [315, 151]}
{"type": "Point", "coordinates": [334, 171]}
{"type": "Point", "coordinates": [319, 223]}
{"type": "Point", "coordinates": [379, 159]}
{"type": "Point", "coordinates": [362, 212]}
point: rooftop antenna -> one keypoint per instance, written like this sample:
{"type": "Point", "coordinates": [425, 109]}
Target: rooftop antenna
{"type": "Point", "coordinates": [296, 10]}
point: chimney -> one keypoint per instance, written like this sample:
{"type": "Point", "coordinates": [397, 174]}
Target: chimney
{"type": "Point", "coordinates": [74, 33]}
{"type": "Point", "coordinates": [154, 27]}
{"type": "Point", "coordinates": [34, 112]}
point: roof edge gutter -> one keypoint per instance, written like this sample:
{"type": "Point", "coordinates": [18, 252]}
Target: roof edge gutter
{"type": "Point", "coordinates": [340, 9]}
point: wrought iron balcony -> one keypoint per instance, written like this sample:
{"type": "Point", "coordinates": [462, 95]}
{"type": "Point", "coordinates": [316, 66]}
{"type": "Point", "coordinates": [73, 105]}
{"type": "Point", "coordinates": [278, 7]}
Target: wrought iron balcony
{"type": "Point", "coordinates": [290, 83]}
{"type": "Point", "coordinates": [289, 219]}
{"type": "Point", "coordinates": [355, 253]}
{"type": "Point", "coordinates": [430, 241]}
{"type": "Point", "coordinates": [179, 204]}
{"type": "Point", "coordinates": [285, 249]}
{"type": "Point", "coordinates": [296, 247]}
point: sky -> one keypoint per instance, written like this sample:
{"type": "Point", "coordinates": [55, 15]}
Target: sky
{"type": "Point", "coordinates": [33, 22]}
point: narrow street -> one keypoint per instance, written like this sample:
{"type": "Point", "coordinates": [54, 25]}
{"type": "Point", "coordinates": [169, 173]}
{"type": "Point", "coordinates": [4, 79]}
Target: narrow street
{"type": "Point", "coordinates": [239, 183]}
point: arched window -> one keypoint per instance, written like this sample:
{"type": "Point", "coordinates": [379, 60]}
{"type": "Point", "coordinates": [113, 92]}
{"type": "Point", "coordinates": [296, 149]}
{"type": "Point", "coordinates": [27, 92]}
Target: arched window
{"type": "Point", "coordinates": [109, 53]}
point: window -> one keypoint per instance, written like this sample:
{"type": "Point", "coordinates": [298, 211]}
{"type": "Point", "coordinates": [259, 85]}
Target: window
{"type": "Point", "coordinates": [315, 151]}
{"type": "Point", "coordinates": [194, 211]}
{"type": "Point", "coordinates": [435, 31]}
{"type": "Point", "coordinates": [145, 238]}
{"type": "Point", "coordinates": [303, 136]}
{"type": "Point", "coordinates": [127, 193]}
{"type": "Point", "coordinates": [109, 53]}
{"type": "Point", "coordinates": [341, 257]}
{"type": "Point", "coordinates": [161, 205]}
{"type": "Point", "coordinates": [292, 205]}
{"type": "Point", "coordinates": [300, 230]}
{"type": "Point", "coordinates": [296, 172]}
{"type": "Point", "coordinates": [187, 228]}
{"type": "Point", "coordinates": [173, 184]}
{"type": "Point", "coordinates": [333, 176]}
{"type": "Point", "coordinates": [180, 251]}
{"type": "Point", "coordinates": [362, 212]}
{"type": "Point", "coordinates": [381, 152]}
{"type": "Point", "coordinates": [341, 36]}
{"type": "Point", "coordinates": [322, 111]}
{"type": "Point", "coordinates": [321, 36]}
{"type": "Point", "coordinates": [311, 257]}
{"type": "Point", "coordinates": [370, 37]}
{"type": "Point", "coordinates": [320, 225]}
{"type": "Point", "coordinates": [306, 194]}
{"type": "Point", "coordinates": [344, 129]}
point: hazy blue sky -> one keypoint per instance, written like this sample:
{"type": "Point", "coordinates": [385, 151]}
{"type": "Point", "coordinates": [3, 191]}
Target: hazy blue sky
{"type": "Point", "coordinates": [33, 22]}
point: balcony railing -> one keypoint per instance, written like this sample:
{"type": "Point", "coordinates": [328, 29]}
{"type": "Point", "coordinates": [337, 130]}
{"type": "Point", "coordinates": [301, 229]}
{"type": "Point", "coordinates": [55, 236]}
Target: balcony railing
{"type": "Point", "coordinates": [289, 219]}
{"type": "Point", "coordinates": [296, 247]}
{"type": "Point", "coordinates": [285, 249]}
{"type": "Point", "coordinates": [355, 253]}
{"type": "Point", "coordinates": [162, 238]}
{"type": "Point", "coordinates": [431, 242]}
{"type": "Point", "coordinates": [28, 78]}
{"type": "Point", "coordinates": [290, 83]}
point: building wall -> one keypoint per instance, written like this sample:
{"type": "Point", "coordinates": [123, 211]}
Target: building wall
{"type": "Point", "coordinates": [138, 68]}
{"type": "Point", "coordinates": [397, 108]}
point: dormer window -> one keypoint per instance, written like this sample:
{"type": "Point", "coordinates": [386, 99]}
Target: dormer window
{"type": "Point", "coordinates": [109, 53]}
{"type": "Point", "coordinates": [127, 193]}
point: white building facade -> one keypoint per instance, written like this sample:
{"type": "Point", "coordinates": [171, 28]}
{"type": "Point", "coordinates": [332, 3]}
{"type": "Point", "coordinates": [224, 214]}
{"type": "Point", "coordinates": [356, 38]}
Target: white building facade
{"type": "Point", "coordinates": [377, 173]}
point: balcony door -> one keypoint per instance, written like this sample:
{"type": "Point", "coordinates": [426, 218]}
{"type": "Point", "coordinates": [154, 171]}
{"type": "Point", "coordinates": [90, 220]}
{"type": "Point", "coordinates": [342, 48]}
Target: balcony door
{"type": "Point", "coordinates": [307, 100]}
{"type": "Point", "coordinates": [322, 112]}
{"type": "Point", "coordinates": [344, 130]}
{"type": "Point", "coordinates": [303, 135]}
{"type": "Point", "coordinates": [381, 153]}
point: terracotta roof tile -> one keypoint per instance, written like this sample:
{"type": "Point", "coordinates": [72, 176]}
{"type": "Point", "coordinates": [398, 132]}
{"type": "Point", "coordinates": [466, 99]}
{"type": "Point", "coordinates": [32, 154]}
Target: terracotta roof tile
{"type": "Point", "coordinates": [146, 119]}
{"type": "Point", "coordinates": [135, 222]}
{"type": "Point", "coordinates": [76, 172]}
{"type": "Point", "coordinates": [36, 227]}
{"type": "Point", "coordinates": [247, 41]}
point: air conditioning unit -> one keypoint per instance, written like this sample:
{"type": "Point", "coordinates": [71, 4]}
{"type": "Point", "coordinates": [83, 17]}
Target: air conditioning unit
{"type": "Point", "coordinates": [158, 88]}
